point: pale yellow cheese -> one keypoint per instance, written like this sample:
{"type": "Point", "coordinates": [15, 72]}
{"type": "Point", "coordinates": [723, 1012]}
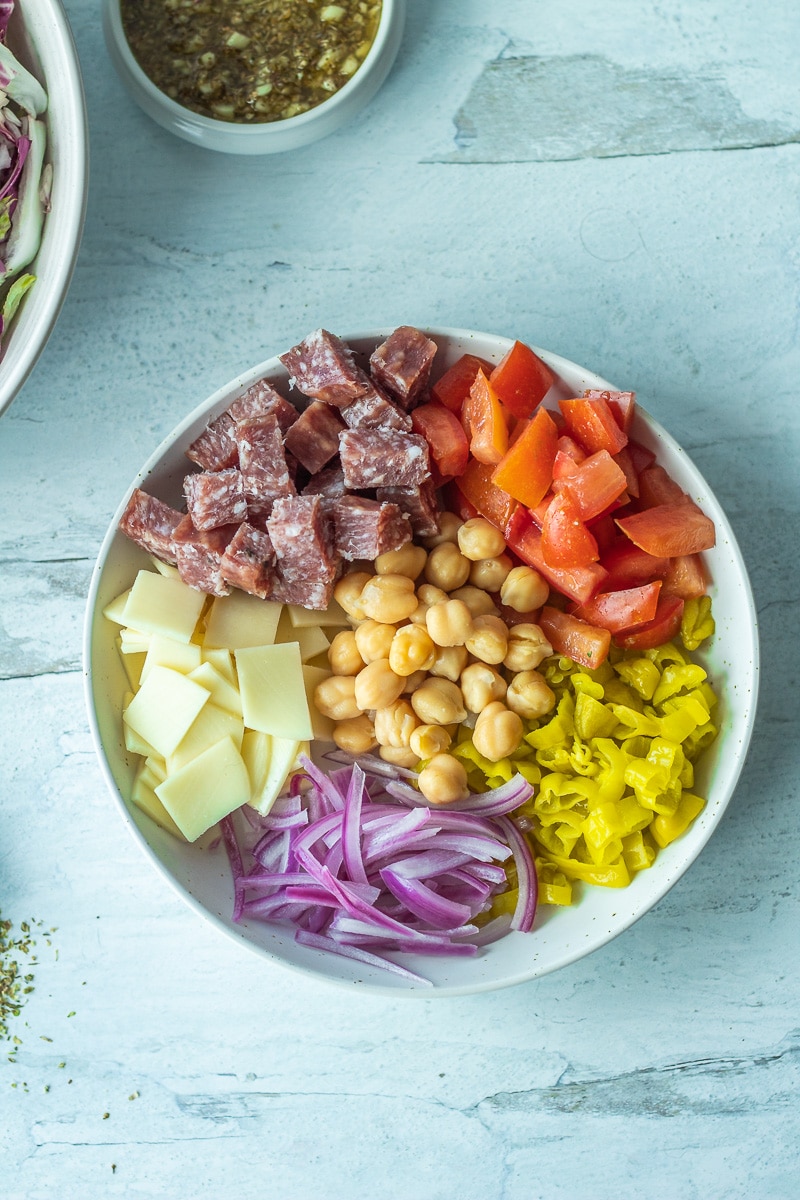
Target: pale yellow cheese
{"type": "Point", "coordinates": [222, 661]}
{"type": "Point", "coordinates": [132, 663]}
{"type": "Point", "coordinates": [164, 568]}
{"type": "Point", "coordinates": [135, 744]}
{"type": "Point", "coordinates": [164, 708]}
{"type": "Point", "coordinates": [166, 652]}
{"type": "Point", "coordinates": [241, 620]}
{"type": "Point", "coordinates": [223, 693]}
{"type": "Point", "coordinates": [207, 789]}
{"type": "Point", "coordinates": [272, 690]}
{"type": "Point", "coordinates": [322, 726]}
{"type": "Point", "coordinates": [132, 641]}
{"type": "Point", "coordinates": [256, 752]}
{"type": "Point", "coordinates": [162, 604]}
{"type": "Point", "coordinates": [157, 766]}
{"type": "Point", "coordinates": [210, 726]}
{"type": "Point", "coordinates": [334, 616]}
{"type": "Point", "coordinates": [116, 608]}
{"type": "Point", "coordinates": [282, 759]}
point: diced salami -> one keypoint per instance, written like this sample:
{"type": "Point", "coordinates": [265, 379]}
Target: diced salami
{"type": "Point", "coordinates": [306, 593]}
{"type": "Point", "coordinates": [402, 364]}
{"type": "Point", "coordinates": [262, 460]}
{"type": "Point", "coordinates": [322, 366]}
{"type": "Point", "coordinates": [198, 555]}
{"type": "Point", "coordinates": [314, 437]}
{"type": "Point", "coordinates": [303, 540]}
{"type": "Point", "coordinates": [373, 410]}
{"type": "Point", "coordinates": [215, 498]}
{"type": "Point", "coordinates": [262, 400]}
{"type": "Point", "coordinates": [366, 528]}
{"type": "Point", "coordinates": [372, 458]}
{"type": "Point", "coordinates": [418, 504]}
{"type": "Point", "coordinates": [215, 448]}
{"type": "Point", "coordinates": [248, 561]}
{"type": "Point", "coordinates": [328, 483]}
{"type": "Point", "coordinates": [151, 524]}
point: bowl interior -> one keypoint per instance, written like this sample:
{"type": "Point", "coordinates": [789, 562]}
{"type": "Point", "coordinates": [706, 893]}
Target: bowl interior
{"type": "Point", "coordinates": [40, 36]}
{"type": "Point", "coordinates": [560, 936]}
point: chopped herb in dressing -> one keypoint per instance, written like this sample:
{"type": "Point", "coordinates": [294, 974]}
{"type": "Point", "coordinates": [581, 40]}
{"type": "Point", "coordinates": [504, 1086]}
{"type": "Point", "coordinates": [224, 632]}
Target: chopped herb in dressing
{"type": "Point", "coordinates": [250, 60]}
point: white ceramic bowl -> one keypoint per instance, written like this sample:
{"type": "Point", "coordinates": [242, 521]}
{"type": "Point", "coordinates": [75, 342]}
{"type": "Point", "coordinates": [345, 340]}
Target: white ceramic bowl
{"type": "Point", "coordinates": [263, 138]}
{"type": "Point", "coordinates": [40, 37]}
{"type": "Point", "coordinates": [561, 935]}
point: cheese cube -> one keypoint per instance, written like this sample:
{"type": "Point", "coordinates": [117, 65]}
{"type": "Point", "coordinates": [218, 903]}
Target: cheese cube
{"type": "Point", "coordinates": [210, 726]}
{"type": "Point", "coordinates": [240, 620]}
{"type": "Point", "coordinates": [161, 604]}
{"type": "Point", "coordinates": [164, 708]}
{"type": "Point", "coordinates": [272, 690]}
{"type": "Point", "coordinates": [206, 789]}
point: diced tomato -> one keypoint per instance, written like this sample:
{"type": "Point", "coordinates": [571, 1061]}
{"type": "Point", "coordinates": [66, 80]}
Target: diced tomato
{"type": "Point", "coordinates": [525, 540]}
{"type": "Point", "coordinates": [445, 436]}
{"type": "Point", "coordinates": [566, 541]}
{"type": "Point", "coordinates": [686, 577]}
{"type": "Point", "coordinates": [670, 529]}
{"type": "Point", "coordinates": [604, 531]}
{"type": "Point", "coordinates": [663, 628]}
{"type": "Point", "coordinates": [624, 461]}
{"type": "Point", "coordinates": [521, 380]}
{"type": "Point", "coordinates": [453, 387]}
{"type": "Point", "coordinates": [641, 457]}
{"type": "Point", "coordinates": [656, 486]}
{"type": "Point", "coordinates": [526, 469]}
{"type": "Point", "coordinates": [595, 484]}
{"type": "Point", "coordinates": [564, 465]}
{"type": "Point", "coordinates": [475, 483]}
{"type": "Point", "coordinates": [592, 424]}
{"type": "Point", "coordinates": [628, 566]}
{"type": "Point", "coordinates": [568, 446]}
{"type": "Point", "coordinates": [583, 643]}
{"type": "Point", "coordinates": [484, 422]}
{"type": "Point", "coordinates": [622, 610]}
{"type": "Point", "coordinates": [622, 405]}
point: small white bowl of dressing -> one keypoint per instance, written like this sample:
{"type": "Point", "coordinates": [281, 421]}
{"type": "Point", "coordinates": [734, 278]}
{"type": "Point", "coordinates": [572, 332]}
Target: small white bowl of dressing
{"type": "Point", "coordinates": [251, 80]}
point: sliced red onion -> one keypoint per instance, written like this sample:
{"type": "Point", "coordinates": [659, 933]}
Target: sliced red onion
{"type": "Point", "coordinates": [526, 876]}
{"type": "Point", "coordinates": [320, 942]}
{"type": "Point", "coordinates": [351, 826]}
{"type": "Point", "coordinates": [496, 802]}
{"type": "Point", "coordinates": [425, 903]}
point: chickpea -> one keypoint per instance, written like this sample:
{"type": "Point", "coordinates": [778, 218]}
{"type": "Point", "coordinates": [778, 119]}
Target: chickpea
{"type": "Point", "coordinates": [449, 525]}
{"type": "Point", "coordinates": [411, 650]}
{"type": "Point", "coordinates": [490, 573]}
{"type": "Point", "coordinates": [412, 682]}
{"type": "Point", "coordinates": [427, 740]}
{"type": "Point", "coordinates": [529, 695]}
{"type": "Point", "coordinates": [478, 538]}
{"type": "Point", "coordinates": [479, 602]}
{"type": "Point", "coordinates": [348, 593]}
{"type": "Point", "coordinates": [395, 724]}
{"type": "Point", "coordinates": [343, 654]}
{"type": "Point", "coordinates": [399, 756]}
{"type": "Point", "coordinates": [449, 662]}
{"type": "Point", "coordinates": [449, 624]}
{"type": "Point", "coordinates": [430, 595]}
{"type": "Point", "coordinates": [438, 702]}
{"type": "Point", "coordinates": [356, 735]}
{"type": "Point", "coordinates": [527, 647]}
{"type": "Point", "coordinates": [524, 590]}
{"type": "Point", "coordinates": [377, 685]}
{"type": "Point", "coordinates": [408, 560]}
{"type": "Point", "coordinates": [498, 732]}
{"type": "Point", "coordinates": [481, 685]}
{"type": "Point", "coordinates": [447, 567]}
{"type": "Point", "coordinates": [444, 780]}
{"type": "Point", "coordinates": [373, 640]}
{"type": "Point", "coordinates": [334, 697]}
{"type": "Point", "coordinates": [388, 598]}
{"type": "Point", "coordinates": [488, 640]}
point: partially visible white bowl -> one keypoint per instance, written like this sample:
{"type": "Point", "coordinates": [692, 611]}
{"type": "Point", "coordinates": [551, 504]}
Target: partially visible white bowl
{"type": "Point", "coordinates": [40, 36]}
{"type": "Point", "coordinates": [561, 935]}
{"type": "Point", "coordinates": [262, 137]}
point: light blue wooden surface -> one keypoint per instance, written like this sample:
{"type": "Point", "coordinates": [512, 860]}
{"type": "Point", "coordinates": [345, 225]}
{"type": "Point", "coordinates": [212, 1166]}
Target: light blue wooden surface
{"type": "Point", "coordinates": [617, 181]}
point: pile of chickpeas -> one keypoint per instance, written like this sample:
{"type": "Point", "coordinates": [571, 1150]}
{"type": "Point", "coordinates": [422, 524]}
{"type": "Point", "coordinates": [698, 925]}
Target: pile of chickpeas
{"type": "Point", "coordinates": [428, 650]}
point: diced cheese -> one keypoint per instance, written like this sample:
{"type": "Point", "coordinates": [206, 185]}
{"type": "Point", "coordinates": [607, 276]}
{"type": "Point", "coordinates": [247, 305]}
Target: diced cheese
{"type": "Point", "coordinates": [164, 708]}
{"type": "Point", "coordinates": [223, 693]}
{"type": "Point", "coordinates": [161, 604]}
{"type": "Point", "coordinates": [144, 797]}
{"type": "Point", "coordinates": [210, 726]}
{"type": "Point", "coordinates": [166, 652]}
{"type": "Point", "coordinates": [272, 690]}
{"type": "Point", "coordinates": [205, 790]}
{"type": "Point", "coordinates": [241, 620]}
{"type": "Point", "coordinates": [334, 616]}
{"type": "Point", "coordinates": [321, 726]}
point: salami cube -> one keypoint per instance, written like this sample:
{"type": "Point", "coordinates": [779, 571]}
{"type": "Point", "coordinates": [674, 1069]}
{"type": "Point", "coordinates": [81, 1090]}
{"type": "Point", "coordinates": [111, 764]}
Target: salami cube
{"type": "Point", "coordinates": [328, 483]}
{"type": "Point", "coordinates": [418, 504]}
{"type": "Point", "coordinates": [215, 498]}
{"type": "Point", "coordinates": [215, 449]}
{"type": "Point", "coordinates": [198, 555]}
{"type": "Point", "coordinates": [373, 458]}
{"type": "Point", "coordinates": [249, 560]}
{"type": "Point", "coordinates": [323, 367]}
{"type": "Point", "coordinates": [366, 528]}
{"type": "Point", "coordinates": [314, 437]}
{"type": "Point", "coordinates": [262, 461]}
{"type": "Point", "coordinates": [303, 540]}
{"type": "Point", "coordinates": [373, 410]}
{"type": "Point", "coordinates": [151, 524]}
{"type": "Point", "coordinates": [262, 400]}
{"type": "Point", "coordinates": [402, 365]}
{"type": "Point", "coordinates": [305, 593]}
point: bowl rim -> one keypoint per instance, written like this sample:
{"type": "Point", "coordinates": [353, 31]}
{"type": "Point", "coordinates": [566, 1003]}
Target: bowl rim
{"type": "Point", "coordinates": [287, 130]}
{"type": "Point", "coordinates": [371, 985]}
{"type": "Point", "coordinates": [60, 73]}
